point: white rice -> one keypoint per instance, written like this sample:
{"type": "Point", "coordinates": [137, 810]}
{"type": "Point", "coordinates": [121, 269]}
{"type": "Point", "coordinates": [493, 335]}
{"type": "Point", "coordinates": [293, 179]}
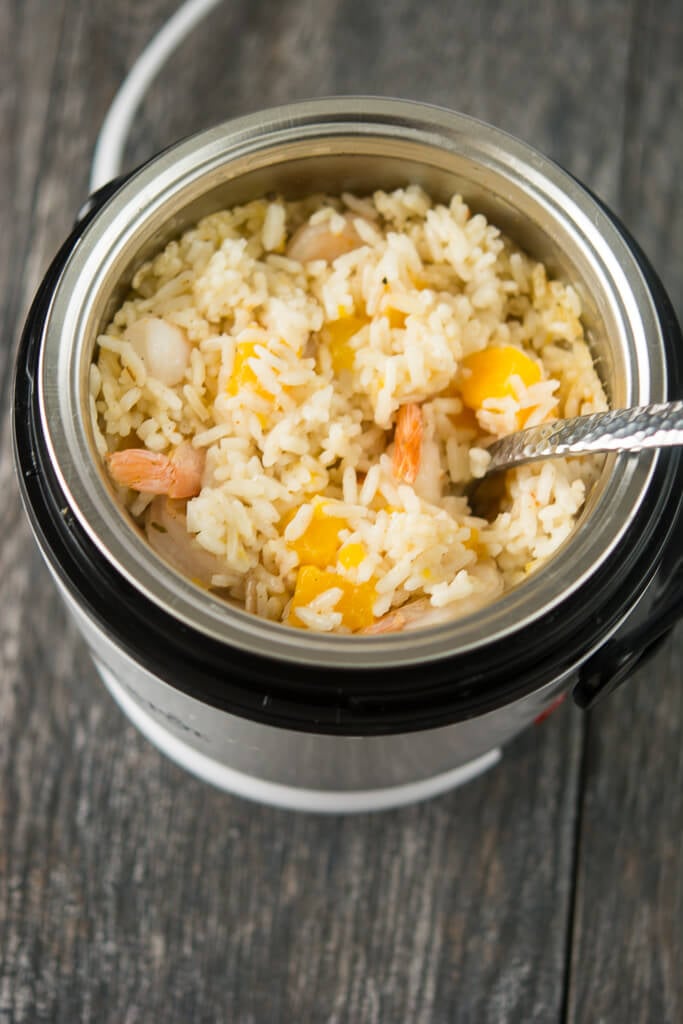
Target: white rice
{"type": "Point", "coordinates": [295, 375]}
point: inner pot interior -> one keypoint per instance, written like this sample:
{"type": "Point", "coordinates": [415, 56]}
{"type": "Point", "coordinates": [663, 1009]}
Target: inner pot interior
{"type": "Point", "coordinates": [539, 207]}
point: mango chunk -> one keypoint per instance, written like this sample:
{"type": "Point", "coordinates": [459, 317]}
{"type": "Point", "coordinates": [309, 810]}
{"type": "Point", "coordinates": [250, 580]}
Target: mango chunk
{"type": "Point", "coordinates": [355, 604]}
{"type": "Point", "coordinates": [419, 281]}
{"type": "Point", "coordinates": [337, 334]}
{"type": "Point", "coordinates": [396, 317]}
{"type": "Point", "coordinates": [242, 374]}
{"type": "Point", "coordinates": [319, 543]}
{"type": "Point", "coordinates": [351, 555]}
{"type": "Point", "coordinates": [488, 374]}
{"type": "Point", "coordinates": [473, 542]}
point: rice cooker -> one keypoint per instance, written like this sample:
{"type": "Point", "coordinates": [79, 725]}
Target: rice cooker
{"type": "Point", "coordinates": [325, 722]}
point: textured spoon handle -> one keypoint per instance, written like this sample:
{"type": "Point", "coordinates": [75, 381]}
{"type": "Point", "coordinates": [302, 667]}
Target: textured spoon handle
{"type": "Point", "coordinates": [622, 430]}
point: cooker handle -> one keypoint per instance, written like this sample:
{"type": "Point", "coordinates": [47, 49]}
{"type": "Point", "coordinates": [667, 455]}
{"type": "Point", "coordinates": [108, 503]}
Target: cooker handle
{"type": "Point", "coordinates": [612, 665]}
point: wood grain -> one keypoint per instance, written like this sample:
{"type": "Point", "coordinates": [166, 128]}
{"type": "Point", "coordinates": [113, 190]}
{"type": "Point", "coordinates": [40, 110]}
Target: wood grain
{"type": "Point", "coordinates": [531, 71]}
{"type": "Point", "coordinates": [129, 892]}
{"type": "Point", "coordinates": [628, 935]}
{"type": "Point", "coordinates": [149, 896]}
{"type": "Point", "coordinates": [628, 938]}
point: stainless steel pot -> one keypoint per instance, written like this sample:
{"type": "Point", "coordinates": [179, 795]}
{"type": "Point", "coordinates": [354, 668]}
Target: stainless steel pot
{"type": "Point", "coordinates": [328, 722]}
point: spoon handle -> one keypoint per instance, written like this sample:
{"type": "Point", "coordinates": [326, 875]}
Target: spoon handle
{"type": "Point", "coordinates": [621, 430]}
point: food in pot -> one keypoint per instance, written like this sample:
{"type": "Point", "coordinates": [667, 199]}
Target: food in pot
{"type": "Point", "coordinates": [294, 396]}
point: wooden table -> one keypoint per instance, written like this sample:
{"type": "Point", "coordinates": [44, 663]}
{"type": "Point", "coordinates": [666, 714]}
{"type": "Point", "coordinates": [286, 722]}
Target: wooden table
{"type": "Point", "coordinates": [550, 889]}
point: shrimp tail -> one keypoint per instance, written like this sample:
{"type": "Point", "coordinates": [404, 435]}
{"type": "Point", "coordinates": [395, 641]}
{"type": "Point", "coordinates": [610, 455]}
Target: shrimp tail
{"type": "Point", "coordinates": [188, 468]}
{"type": "Point", "coordinates": [141, 470]}
{"type": "Point", "coordinates": [408, 443]}
{"type": "Point", "coordinates": [178, 475]}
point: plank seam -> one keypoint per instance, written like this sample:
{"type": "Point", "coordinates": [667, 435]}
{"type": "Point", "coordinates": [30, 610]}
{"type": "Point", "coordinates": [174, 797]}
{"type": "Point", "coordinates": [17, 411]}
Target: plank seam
{"type": "Point", "coordinates": [575, 869]}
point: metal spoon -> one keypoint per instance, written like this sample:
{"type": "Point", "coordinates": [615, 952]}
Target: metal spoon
{"type": "Point", "coordinates": [620, 430]}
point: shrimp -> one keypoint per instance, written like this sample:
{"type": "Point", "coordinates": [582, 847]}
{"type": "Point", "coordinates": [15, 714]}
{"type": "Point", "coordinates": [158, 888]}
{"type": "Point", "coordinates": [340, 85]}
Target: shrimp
{"type": "Point", "coordinates": [166, 529]}
{"type": "Point", "coordinates": [413, 615]}
{"type": "Point", "coordinates": [163, 348]}
{"type": "Point", "coordinates": [428, 483]}
{"type": "Point", "coordinates": [408, 443]}
{"type": "Point", "coordinates": [320, 242]}
{"type": "Point", "coordinates": [178, 475]}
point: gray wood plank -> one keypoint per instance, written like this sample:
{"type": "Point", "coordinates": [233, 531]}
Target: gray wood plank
{"type": "Point", "coordinates": [533, 71]}
{"type": "Point", "coordinates": [129, 891]}
{"type": "Point", "coordinates": [628, 935]}
{"type": "Point", "coordinates": [651, 187]}
{"type": "Point", "coordinates": [47, 127]}
{"type": "Point", "coordinates": [139, 894]}
{"type": "Point", "coordinates": [25, 99]}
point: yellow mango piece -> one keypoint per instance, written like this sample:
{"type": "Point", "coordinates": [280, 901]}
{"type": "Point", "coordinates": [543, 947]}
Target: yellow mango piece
{"type": "Point", "coordinates": [487, 374]}
{"type": "Point", "coordinates": [419, 282]}
{"type": "Point", "coordinates": [395, 317]}
{"type": "Point", "coordinates": [319, 543]}
{"type": "Point", "coordinates": [242, 374]}
{"type": "Point", "coordinates": [355, 604]}
{"type": "Point", "coordinates": [473, 542]}
{"type": "Point", "coordinates": [337, 334]}
{"type": "Point", "coordinates": [351, 555]}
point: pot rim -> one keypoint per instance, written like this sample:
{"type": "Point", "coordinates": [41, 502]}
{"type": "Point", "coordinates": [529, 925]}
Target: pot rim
{"type": "Point", "coordinates": [168, 183]}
